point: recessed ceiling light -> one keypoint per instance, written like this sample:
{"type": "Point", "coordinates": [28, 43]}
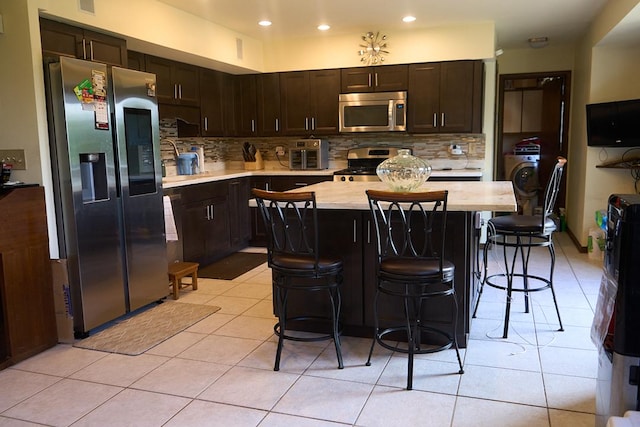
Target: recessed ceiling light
{"type": "Point", "coordinates": [264, 23]}
{"type": "Point", "coordinates": [323, 27]}
{"type": "Point", "coordinates": [409, 18]}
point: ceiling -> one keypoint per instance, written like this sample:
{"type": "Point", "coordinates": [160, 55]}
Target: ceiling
{"type": "Point", "coordinates": [515, 20]}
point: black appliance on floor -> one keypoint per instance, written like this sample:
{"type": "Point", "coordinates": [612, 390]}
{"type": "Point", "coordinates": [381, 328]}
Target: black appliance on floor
{"type": "Point", "coordinates": [619, 362]}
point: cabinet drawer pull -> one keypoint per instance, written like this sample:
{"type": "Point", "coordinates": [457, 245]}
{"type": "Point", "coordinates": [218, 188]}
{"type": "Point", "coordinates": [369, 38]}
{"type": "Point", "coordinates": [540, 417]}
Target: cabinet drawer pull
{"type": "Point", "coordinates": [301, 184]}
{"type": "Point", "coordinates": [355, 231]}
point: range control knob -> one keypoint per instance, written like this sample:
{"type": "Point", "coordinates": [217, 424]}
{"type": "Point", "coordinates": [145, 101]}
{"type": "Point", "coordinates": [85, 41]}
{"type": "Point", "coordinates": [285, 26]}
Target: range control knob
{"type": "Point", "coordinates": [350, 178]}
{"type": "Point", "coordinates": [342, 178]}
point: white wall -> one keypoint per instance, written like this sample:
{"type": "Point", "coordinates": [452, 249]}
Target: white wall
{"type": "Point", "coordinates": [601, 73]}
{"type": "Point", "coordinates": [474, 41]}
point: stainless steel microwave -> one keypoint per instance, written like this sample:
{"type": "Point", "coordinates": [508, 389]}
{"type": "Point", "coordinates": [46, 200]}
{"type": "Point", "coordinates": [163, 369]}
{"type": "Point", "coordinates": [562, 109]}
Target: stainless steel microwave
{"type": "Point", "coordinates": [309, 154]}
{"type": "Point", "coordinates": [373, 112]}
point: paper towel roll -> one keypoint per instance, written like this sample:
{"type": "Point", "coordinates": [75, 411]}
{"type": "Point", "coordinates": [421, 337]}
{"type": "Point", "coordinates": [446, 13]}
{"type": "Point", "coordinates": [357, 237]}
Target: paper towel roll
{"type": "Point", "coordinates": [171, 231]}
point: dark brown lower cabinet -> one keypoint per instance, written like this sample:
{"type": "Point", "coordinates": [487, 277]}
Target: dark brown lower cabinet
{"type": "Point", "coordinates": [27, 316]}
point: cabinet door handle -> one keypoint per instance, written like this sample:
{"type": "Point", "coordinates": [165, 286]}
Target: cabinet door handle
{"type": "Point", "coordinates": [376, 79]}
{"type": "Point", "coordinates": [368, 231]}
{"type": "Point", "coordinates": [180, 91]}
{"type": "Point", "coordinates": [84, 49]}
{"type": "Point", "coordinates": [91, 49]}
{"type": "Point", "coordinates": [175, 91]}
{"type": "Point", "coordinates": [355, 231]}
{"type": "Point", "coordinates": [313, 123]}
{"type": "Point", "coordinates": [369, 79]}
{"type": "Point", "coordinates": [206, 123]}
{"type": "Point", "coordinates": [306, 123]}
{"type": "Point", "coordinates": [442, 122]}
{"type": "Point", "coordinates": [253, 125]}
{"type": "Point", "coordinates": [435, 120]}
{"type": "Point", "coordinates": [277, 126]}
{"type": "Point", "coordinates": [212, 212]}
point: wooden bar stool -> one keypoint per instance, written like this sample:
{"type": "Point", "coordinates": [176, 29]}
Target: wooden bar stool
{"type": "Point", "coordinates": [177, 271]}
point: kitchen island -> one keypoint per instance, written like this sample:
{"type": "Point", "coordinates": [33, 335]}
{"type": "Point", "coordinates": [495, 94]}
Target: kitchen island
{"type": "Point", "coordinates": [347, 232]}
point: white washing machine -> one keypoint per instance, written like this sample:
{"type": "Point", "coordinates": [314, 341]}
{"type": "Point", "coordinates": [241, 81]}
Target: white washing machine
{"type": "Point", "coordinates": [522, 170]}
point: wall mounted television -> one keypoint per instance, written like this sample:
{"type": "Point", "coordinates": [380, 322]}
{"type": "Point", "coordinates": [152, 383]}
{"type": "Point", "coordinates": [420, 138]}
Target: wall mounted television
{"type": "Point", "coordinates": [614, 124]}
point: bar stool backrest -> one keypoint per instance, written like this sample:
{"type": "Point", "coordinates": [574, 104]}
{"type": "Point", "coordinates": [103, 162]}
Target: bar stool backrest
{"type": "Point", "coordinates": [407, 224]}
{"type": "Point", "coordinates": [552, 189]}
{"type": "Point", "coordinates": [292, 224]}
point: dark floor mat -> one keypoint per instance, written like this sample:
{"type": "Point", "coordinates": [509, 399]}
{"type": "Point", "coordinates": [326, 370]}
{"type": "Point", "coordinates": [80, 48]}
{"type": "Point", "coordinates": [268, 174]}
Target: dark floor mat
{"type": "Point", "coordinates": [232, 266]}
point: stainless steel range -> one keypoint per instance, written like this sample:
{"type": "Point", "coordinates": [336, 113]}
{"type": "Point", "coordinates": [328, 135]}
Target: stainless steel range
{"type": "Point", "coordinates": [362, 163]}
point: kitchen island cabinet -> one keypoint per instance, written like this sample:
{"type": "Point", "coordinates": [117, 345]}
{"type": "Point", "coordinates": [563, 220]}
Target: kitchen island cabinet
{"type": "Point", "coordinates": [347, 232]}
{"type": "Point", "coordinates": [27, 316]}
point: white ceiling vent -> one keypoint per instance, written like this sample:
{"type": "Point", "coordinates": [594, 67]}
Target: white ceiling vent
{"type": "Point", "coordinates": [87, 6]}
{"type": "Point", "coordinates": [239, 53]}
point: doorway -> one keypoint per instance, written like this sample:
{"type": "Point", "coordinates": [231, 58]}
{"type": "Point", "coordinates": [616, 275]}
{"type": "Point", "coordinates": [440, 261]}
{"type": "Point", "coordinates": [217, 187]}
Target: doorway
{"type": "Point", "coordinates": [534, 105]}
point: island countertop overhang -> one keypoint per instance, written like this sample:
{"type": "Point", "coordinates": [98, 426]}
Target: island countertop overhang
{"type": "Point", "coordinates": [466, 196]}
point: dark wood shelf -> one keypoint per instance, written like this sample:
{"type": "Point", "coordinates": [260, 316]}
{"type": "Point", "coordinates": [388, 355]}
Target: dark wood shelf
{"type": "Point", "coordinates": [622, 164]}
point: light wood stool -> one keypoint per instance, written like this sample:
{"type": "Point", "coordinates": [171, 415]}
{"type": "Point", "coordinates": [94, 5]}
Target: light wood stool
{"type": "Point", "coordinates": [178, 270]}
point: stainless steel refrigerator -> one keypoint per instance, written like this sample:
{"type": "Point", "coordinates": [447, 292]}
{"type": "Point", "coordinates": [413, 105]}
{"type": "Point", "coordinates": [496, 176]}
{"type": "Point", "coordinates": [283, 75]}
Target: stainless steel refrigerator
{"type": "Point", "coordinates": [105, 147]}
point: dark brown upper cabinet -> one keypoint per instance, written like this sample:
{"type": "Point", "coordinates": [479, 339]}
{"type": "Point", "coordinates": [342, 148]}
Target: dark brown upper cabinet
{"type": "Point", "coordinates": [245, 111]}
{"type": "Point", "coordinates": [309, 102]}
{"type": "Point", "coordinates": [176, 83]}
{"type": "Point", "coordinates": [60, 39]}
{"type": "Point", "coordinates": [445, 97]}
{"type": "Point", "coordinates": [268, 100]}
{"type": "Point", "coordinates": [212, 103]}
{"type": "Point", "coordinates": [387, 78]}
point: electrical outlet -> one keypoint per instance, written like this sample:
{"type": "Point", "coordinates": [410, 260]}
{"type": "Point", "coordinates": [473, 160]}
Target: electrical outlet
{"type": "Point", "coordinates": [15, 158]}
{"type": "Point", "coordinates": [455, 150]}
{"type": "Point", "coordinates": [280, 150]}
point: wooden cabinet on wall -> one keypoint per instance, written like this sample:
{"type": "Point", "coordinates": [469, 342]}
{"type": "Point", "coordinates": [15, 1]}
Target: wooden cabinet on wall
{"type": "Point", "coordinates": [245, 112]}
{"type": "Point", "coordinates": [387, 78]}
{"type": "Point", "coordinates": [445, 97]}
{"type": "Point", "coordinates": [27, 317]}
{"type": "Point", "coordinates": [212, 103]}
{"type": "Point", "coordinates": [523, 111]}
{"type": "Point", "coordinates": [309, 102]}
{"type": "Point", "coordinates": [176, 83]}
{"type": "Point", "coordinates": [268, 100]}
{"type": "Point", "coordinates": [60, 39]}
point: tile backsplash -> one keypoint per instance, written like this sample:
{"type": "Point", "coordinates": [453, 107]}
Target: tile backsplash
{"type": "Point", "coordinates": [221, 153]}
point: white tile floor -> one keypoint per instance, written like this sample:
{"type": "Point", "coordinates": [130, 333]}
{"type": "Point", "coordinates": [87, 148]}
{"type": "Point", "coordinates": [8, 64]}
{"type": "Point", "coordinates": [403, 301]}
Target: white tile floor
{"type": "Point", "coordinates": [219, 371]}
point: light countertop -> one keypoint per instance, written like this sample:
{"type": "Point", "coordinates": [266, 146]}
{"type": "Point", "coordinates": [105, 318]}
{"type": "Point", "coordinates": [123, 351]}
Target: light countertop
{"type": "Point", "coordinates": [497, 196]}
{"type": "Point", "coordinates": [222, 174]}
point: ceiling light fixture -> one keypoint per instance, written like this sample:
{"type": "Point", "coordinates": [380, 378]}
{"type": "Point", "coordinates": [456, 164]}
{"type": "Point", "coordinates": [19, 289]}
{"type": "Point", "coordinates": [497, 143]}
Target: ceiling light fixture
{"type": "Point", "coordinates": [538, 42]}
{"type": "Point", "coordinates": [264, 23]}
{"type": "Point", "coordinates": [323, 27]}
{"type": "Point", "coordinates": [408, 18]}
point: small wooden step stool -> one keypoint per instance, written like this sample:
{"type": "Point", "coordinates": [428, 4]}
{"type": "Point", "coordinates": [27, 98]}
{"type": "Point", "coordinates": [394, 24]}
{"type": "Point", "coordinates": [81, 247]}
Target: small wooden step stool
{"type": "Point", "coordinates": [178, 270]}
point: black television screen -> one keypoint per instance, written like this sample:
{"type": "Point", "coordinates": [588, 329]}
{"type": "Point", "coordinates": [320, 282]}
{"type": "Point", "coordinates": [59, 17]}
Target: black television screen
{"type": "Point", "coordinates": [614, 124]}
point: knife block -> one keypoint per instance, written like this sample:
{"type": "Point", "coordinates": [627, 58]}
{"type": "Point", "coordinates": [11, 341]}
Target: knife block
{"type": "Point", "coordinates": [258, 164]}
